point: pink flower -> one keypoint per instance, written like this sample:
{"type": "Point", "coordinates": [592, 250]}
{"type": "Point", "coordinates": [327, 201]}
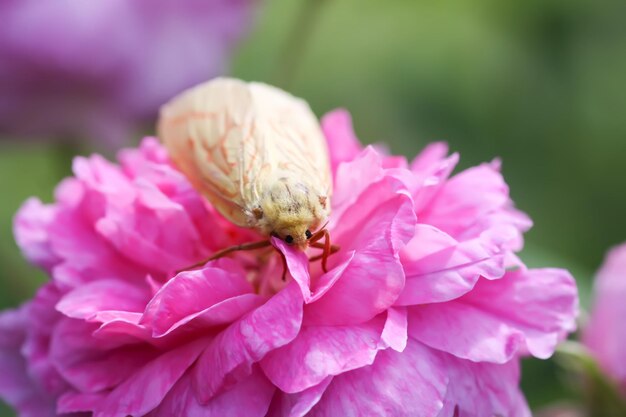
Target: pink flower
{"type": "Point", "coordinates": [425, 310]}
{"type": "Point", "coordinates": [605, 334]}
{"type": "Point", "coordinates": [97, 69]}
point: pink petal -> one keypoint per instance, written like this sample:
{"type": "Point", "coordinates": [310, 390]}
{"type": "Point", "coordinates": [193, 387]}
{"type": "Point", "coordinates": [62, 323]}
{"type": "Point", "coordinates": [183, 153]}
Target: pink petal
{"type": "Point", "coordinates": [16, 387]}
{"type": "Point", "coordinates": [298, 265]}
{"type": "Point", "coordinates": [224, 312]}
{"type": "Point", "coordinates": [191, 292]}
{"type": "Point", "coordinates": [343, 145]}
{"type": "Point", "coordinates": [298, 404]}
{"type": "Point", "coordinates": [408, 384]}
{"type": "Point", "coordinates": [87, 300]}
{"type": "Point", "coordinates": [502, 318]}
{"type": "Point", "coordinates": [605, 334]}
{"type": "Point", "coordinates": [74, 402]}
{"type": "Point", "coordinates": [230, 356]}
{"type": "Point", "coordinates": [152, 227]}
{"type": "Point", "coordinates": [91, 364]}
{"type": "Point", "coordinates": [353, 178]}
{"type": "Point", "coordinates": [250, 397]}
{"type": "Point", "coordinates": [439, 268]}
{"type": "Point", "coordinates": [31, 232]}
{"type": "Point", "coordinates": [394, 334]}
{"type": "Point", "coordinates": [374, 278]}
{"type": "Point", "coordinates": [473, 201]}
{"type": "Point", "coordinates": [322, 351]}
{"type": "Point", "coordinates": [145, 389]}
{"type": "Point", "coordinates": [429, 157]}
{"type": "Point", "coordinates": [86, 256]}
{"type": "Point", "coordinates": [430, 171]}
{"type": "Point", "coordinates": [42, 321]}
{"type": "Point", "coordinates": [483, 389]}
{"type": "Point", "coordinates": [121, 328]}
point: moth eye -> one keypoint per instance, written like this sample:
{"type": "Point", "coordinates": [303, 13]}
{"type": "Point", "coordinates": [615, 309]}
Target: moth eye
{"type": "Point", "coordinates": [308, 234]}
{"type": "Point", "coordinates": [289, 239]}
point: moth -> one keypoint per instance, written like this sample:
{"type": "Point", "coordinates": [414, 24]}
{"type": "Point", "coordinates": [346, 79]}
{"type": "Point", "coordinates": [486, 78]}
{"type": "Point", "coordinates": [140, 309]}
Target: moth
{"type": "Point", "coordinates": [258, 155]}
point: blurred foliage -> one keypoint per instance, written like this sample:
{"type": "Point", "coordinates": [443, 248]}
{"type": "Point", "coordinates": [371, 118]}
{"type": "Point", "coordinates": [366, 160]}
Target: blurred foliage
{"type": "Point", "coordinates": [540, 84]}
{"type": "Point", "coordinates": [602, 397]}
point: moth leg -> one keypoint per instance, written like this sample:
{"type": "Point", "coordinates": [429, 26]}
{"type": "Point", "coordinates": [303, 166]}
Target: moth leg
{"type": "Point", "coordinates": [328, 248]}
{"type": "Point", "coordinates": [230, 249]}
{"type": "Point", "coordinates": [326, 252]}
{"type": "Point", "coordinates": [317, 236]}
{"type": "Point", "coordinates": [284, 260]}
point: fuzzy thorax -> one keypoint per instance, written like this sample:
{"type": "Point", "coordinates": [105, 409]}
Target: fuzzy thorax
{"type": "Point", "coordinates": [289, 209]}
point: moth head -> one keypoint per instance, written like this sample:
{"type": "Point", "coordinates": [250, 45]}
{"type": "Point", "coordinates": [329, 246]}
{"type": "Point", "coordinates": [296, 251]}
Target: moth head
{"type": "Point", "coordinates": [291, 212]}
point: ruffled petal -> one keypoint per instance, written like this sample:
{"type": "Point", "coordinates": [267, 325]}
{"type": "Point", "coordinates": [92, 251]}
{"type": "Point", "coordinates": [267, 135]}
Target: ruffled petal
{"type": "Point", "coordinates": [373, 279]}
{"type": "Point", "coordinates": [430, 170]}
{"type": "Point", "coordinates": [408, 384]}
{"type": "Point", "coordinates": [230, 356]}
{"type": "Point", "coordinates": [500, 319]}
{"type": "Point", "coordinates": [152, 227]}
{"type": "Point", "coordinates": [322, 351]}
{"type": "Point", "coordinates": [605, 334]}
{"type": "Point", "coordinates": [87, 300]}
{"type": "Point", "coordinates": [251, 397]}
{"type": "Point", "coordinates": [189, 293]}
{"type": "Point", "coordinates": [483, 389]}
{"type": "Point", "coordinates": [297, 404]}
{"type": "Point", "coordinates": [31, 232]}
{"type": "Point", "coordinates": [439, 268]}
{"type": "Point", "coordinates": [473, 201]}
{"type": "Point", "coordinates": [343, 145]}
{"type": "Point", "coordinates": [145, 388]}
{"type": "Point", "coordinates": [394, 333]}
{"type": "Point", "coordinates": [16, 387]}
{"type": "Point", "coordinates": [94, 364]}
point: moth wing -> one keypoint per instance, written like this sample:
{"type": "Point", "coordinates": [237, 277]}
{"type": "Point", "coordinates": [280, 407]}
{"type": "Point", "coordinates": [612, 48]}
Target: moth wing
{"type": "Point", "coordinates": [293, 142]}
{"type": "Point", "coordinates": [208, 134]}
{"type": "Point", "coordinates": [233, 139]}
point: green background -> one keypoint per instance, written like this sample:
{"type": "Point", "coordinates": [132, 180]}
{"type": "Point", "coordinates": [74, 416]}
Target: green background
{"type": "Point", "coordinates": [540, 84]}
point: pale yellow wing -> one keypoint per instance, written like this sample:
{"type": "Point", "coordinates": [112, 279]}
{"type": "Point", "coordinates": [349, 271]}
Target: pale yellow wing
{"type": "Point", "coordinates": [233, 140]}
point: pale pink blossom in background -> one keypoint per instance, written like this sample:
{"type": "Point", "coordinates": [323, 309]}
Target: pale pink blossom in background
{"type": "Point", "coordinates": [425, 310]}
{"type": "Point", "coordinates": [98, 69]}
{"type": "Point", "coordinates": [605, 333]}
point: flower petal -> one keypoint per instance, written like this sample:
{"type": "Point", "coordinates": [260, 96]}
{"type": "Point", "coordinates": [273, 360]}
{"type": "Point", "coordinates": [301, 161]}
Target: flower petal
{"type": "Point", "coordinates": [408, 384]}
{"type": "Point", "coordinates": [430, 171]}
{"type": "Point", "coordinates": [343, 144]}
{"type": "Point", "coordinates": [31, 232]}
{"type": "Point", "coordinates": [353, 178]}
{"type": "Point", "coordinates": [91, 364]}
{"type": "Point", "coordinates": [251, 397]}
{"type": "Point", "coordinates": [298, 404]}
{"type": "Point", "coordinates": [394, 334]}
{"type": "Point", "coordinates": [322, 351]}
{"type": "Point", "coordinates": [145, 389]}
{"type": "Point", "coordinates": [152, 227]}
{"type": "Point", "coordinates": [472, 202]}
{"type": "Point", "coordinates": [16, 388]}
{"type": "Point", "coordinates": [230, 356]}
{"type": "Point", "coordinates": [439, 268]}
{"type": "Point", "coordinates": [87, 300]}
{"type": "Point", "coordinates": [501, 318]}
{"type": "Point", "coordinates": [605, 334]}
{"type": "Point", "coordinates": [374, 278]}
{"type": "Point", "coordinates": [483, 389]}
{"type": "Point", "coordinates": [191, 292]}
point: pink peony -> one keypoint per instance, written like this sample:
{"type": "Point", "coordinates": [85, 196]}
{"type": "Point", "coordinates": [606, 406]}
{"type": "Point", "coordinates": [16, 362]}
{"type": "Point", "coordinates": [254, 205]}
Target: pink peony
{"type": "Point", "coordinates": [76, 69]}
{"type": "Point", "coordinates": [425, 310]}
{"type": "Point", "coordinates": [605, 334]}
